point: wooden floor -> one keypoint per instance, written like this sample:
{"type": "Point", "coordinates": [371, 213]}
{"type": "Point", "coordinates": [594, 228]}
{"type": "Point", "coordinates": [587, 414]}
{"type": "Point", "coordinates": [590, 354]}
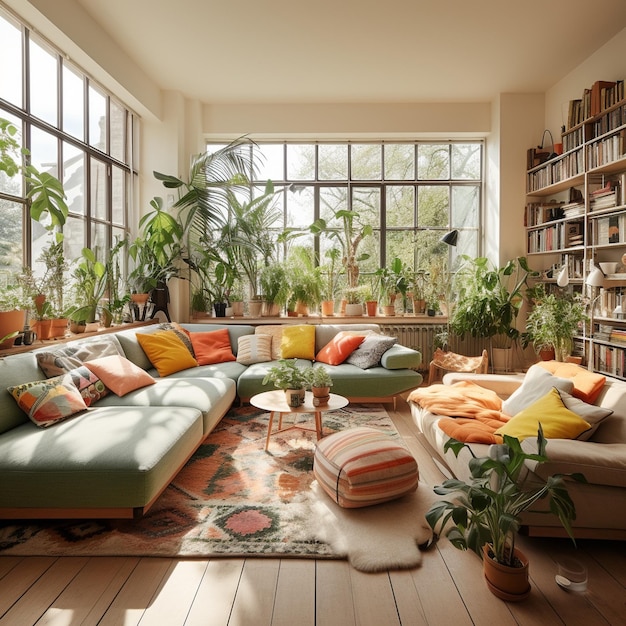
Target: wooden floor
{"type": "Point", "coordinates": [447, 589]}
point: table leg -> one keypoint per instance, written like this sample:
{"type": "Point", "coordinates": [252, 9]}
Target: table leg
{"type": "Point", "coordinates": [318, 424]}
{"type": "Point", "coordinates": [269, 429]}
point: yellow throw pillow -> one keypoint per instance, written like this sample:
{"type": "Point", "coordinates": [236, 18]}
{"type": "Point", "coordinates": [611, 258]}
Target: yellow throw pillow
{"type": "Point", "coordinates": [557, 421]}
{"type": "Point", "coordinates": [166, 351]}
{"type": "Point", "coordinates": [298, 342]}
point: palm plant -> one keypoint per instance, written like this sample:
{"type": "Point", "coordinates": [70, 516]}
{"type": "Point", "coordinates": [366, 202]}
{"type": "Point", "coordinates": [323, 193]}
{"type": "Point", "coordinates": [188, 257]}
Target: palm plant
{"type": "Point", "coordinates": [214, 180]}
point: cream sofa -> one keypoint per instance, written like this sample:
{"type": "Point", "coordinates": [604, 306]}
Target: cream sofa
{"type": "Point", "coordinates": [600, 502]}
{"type": "Point", "coordinates": [114, 459]}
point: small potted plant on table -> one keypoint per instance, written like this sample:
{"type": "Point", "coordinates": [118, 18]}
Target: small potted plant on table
{"type": "Point", "coordinates": [289, 377]}
{"type": "Point", "coordinates": [320, 381]}
{"type": "Point", "coordinates": [484, 515]}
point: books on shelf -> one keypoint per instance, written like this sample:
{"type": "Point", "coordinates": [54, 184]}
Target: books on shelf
{"type": "Point", "coordinates": [610, 230]}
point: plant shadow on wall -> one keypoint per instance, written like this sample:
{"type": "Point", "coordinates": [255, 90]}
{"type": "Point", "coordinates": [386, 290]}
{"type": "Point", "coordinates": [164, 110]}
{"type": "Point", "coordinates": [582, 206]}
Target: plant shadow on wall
{"type": "Point", "coordinates": [488, 300]}
{"type": "Point", "coordinates": [484, 515]}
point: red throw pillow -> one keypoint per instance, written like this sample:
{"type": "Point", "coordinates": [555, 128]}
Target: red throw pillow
{"type": "Point", "coordinates": [212, 346]}
{"type": "Point", "coordinates": [339, 348]}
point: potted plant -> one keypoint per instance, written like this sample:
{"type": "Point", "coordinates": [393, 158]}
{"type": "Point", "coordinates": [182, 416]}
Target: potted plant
{"type": "Point", "coordinates": [89, 288]}
{"type": "Point", "coordinates": [485, 513]}
{"type": "Point", "coordinates": [305, 280]}
{"type": "Point", "coordinates": [13, 309]}
{"type": "Point", "coordinates": [290, 378]}
{"type": "Point", "coordinates": [349, 235]}
{"type": "Point", "coordinates": [553, 321]}
{"type": "Point", "coordinates": [274, 288]}
{"type": "Point", "coordinates": [488, 301]}
{"type": "Point", "coordinates": [332, 270]}
{"type": "Point", "coordinates": [354, 297]}
{"type": "Point", "coordinates": [319, 381]}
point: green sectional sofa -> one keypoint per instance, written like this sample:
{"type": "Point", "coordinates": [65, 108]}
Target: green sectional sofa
{"type": "Point", "coordinates": [116, 457]}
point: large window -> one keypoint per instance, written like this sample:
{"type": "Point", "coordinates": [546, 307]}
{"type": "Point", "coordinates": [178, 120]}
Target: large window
{"type": "Point", "coordinates": [74, 130]}
{"type": "Point", "coordinates": [410, 192]}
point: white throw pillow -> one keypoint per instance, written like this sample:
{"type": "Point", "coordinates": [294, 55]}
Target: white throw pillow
{"type": "Point", "coordinates": [254, 349]}
{"type": "Point", "coordinates": [537, 383]}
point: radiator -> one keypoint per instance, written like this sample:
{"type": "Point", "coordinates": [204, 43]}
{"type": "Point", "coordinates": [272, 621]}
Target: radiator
{"type": "Point", "coordinates": [422, 337]}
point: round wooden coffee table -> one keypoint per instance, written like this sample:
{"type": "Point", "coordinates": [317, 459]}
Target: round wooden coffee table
{"type": "Point", "coordinates": [275, 402]}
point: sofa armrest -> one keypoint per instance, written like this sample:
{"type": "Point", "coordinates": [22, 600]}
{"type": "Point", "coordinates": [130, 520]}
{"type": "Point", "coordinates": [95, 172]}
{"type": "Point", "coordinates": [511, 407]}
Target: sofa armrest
{"type": "Point", "coordinates": [600, 463]}
{"type": "Point", "coordinates": [400, 357]}
{"type": "Point", "coordinates": [503, 384]}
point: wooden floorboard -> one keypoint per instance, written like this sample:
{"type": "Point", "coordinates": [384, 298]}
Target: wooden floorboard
{"type": "Point", "coordinates": [448, 588]}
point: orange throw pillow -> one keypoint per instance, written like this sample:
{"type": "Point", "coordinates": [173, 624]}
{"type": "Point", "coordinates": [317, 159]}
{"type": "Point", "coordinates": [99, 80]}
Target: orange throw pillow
{"type": "Point", "coordinates": [339, 348]}
{"type": "Point", "coordinates": [212, 346]}
{"type": "Point", "coordinates": [119, 374]}
{"type": "Point", "coordinates": [587, 385]}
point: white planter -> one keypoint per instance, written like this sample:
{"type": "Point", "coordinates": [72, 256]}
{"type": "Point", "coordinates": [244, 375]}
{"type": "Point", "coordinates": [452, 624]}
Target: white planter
{"type": "Point", "coordinates": [354, 310]}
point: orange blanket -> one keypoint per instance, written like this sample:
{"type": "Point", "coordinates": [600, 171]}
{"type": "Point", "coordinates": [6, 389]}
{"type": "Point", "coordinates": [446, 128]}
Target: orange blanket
{"type": "Point", "coordinates": [471, 413]}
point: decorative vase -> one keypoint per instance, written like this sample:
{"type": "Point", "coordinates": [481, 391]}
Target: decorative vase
{"type": "Point", "coordinates": [328, 308]}
{"type": "Point", "coordinates": [294, 397]}
{"type": "Point", "coordinates": [505, 582]}
{"type": "Point", "coordinates": [354, 310]}
{"type": "Point", "coordinates": [372, 307]}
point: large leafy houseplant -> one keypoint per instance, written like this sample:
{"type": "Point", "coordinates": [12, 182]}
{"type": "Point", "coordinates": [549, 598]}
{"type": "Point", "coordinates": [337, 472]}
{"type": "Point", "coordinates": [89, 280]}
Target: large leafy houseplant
{"type": "Point", "coordinates": [489, 298]}
{"type": "Point", "coordinates": [553, 321]}
{"type": "Point", "coordinates": [349, 235]}
{"type": "Point", "coordinates": [488, 508]}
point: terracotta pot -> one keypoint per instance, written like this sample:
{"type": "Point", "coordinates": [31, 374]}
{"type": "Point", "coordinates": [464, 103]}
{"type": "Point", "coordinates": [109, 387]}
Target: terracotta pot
{"type": "Point", "coordinates": [294, 397]}
{"type": "Point", "coordinates": [58, 328]}
{"type": "Point", "coordinates": [546, 354]}
{"type": "Point", "coordinates": [43, 328]}
{"type": "Point", "coordinates": [77, 328]}
{"type": "Point", "coordinates": [237, 309]}
{"type": "Point", "coordinates": [39, 300]}
{"type": "Point", "coordinates": [10, 322]}
{"type": "Point", "coordinates": [270, 309]}
{"type": "Point", "coordinates": [419, 307]}
{"type": "Point", "coordinates": [302, 309]}
{"type": "Point", "coordinates": [320, 392]}
{"type": "Point", "coordinates": [254, 308]}
{"type": "Point", "coordinates": [507, 583]}
{"type": "Point", "coordinates": [389, 310]}
{"type": "Point", "coordinates": [328, 308]}
{"type": "Point", "coordinates": [372, 308]}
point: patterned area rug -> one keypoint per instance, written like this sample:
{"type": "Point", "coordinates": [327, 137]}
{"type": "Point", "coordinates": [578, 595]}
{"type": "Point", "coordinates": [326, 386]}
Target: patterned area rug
{"type": "Point", "coordinates": [233, 498]}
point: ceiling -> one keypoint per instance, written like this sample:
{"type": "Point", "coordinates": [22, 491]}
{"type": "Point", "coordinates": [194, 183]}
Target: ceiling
{"type": "Point", "coordinates": [244, 51]}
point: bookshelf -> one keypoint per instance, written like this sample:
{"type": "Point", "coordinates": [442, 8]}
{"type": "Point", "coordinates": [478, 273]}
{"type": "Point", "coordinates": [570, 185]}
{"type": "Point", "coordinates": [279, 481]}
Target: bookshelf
{"type": "Point", "coordinates": [575, 216]}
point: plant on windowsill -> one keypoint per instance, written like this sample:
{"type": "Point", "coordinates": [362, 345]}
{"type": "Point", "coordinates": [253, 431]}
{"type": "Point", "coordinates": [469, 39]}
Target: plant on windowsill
{"type": "Point", "coordinates": [290, 378]}
{"type": "Point", "coordinates": [484, 514]}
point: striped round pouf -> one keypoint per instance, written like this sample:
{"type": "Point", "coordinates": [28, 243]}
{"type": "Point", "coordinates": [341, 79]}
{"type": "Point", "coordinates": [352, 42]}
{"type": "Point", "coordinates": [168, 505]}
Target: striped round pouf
{"type": "Point", "coordinates": [363, 466]}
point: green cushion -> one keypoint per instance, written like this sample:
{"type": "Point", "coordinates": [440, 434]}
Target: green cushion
{"type": "Point", "coordinates": [105, 458]}
{"type": "Point", "coordinates": [211, 396]}
{"type": "Point", "coordinates": [375, 382]}
{"type": "Point", "coordinates": [400, 357]}
{"type": "Point", "coordinates": [16, 370]}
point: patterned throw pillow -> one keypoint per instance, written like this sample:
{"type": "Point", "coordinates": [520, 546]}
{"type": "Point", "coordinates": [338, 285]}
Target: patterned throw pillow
{"type": "Point", "coordinates": [275, 331]}
{"type": "Point", "coordinates": [254, 349]}
{"type": "Point", "coordinates": [181, 333]}
{"type": "Point", "coordinates": [369, 353]}
{"type": "Point", "coordinates": [73, 355]}
{"type": "Point", "coordinates": [49, 401]}
{"type": "Point", "coordinates": [91, 388]}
